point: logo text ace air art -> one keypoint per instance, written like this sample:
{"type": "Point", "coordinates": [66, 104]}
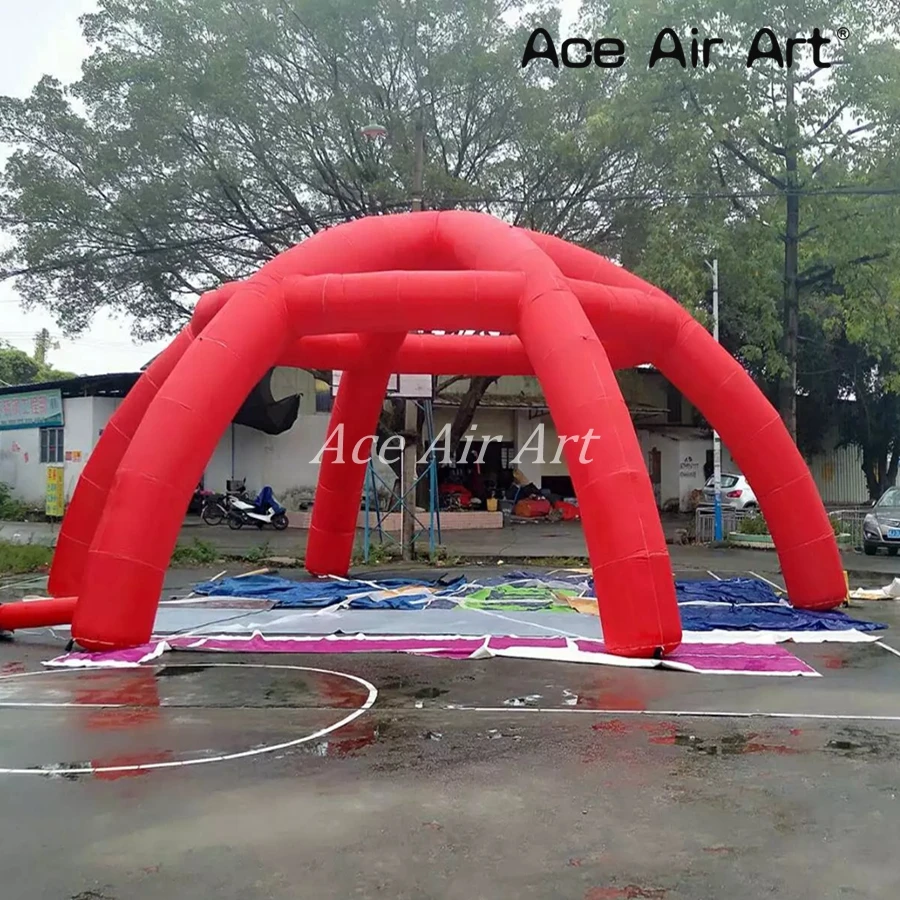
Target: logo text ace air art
{"type": "Point", "coordinates": [610, 53]}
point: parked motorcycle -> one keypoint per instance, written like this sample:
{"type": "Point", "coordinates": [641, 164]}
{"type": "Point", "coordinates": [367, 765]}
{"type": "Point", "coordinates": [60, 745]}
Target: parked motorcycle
{"type": "Point", "coordinates": [264, 510]}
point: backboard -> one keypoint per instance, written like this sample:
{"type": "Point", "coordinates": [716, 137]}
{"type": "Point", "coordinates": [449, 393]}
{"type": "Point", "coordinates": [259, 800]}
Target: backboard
{"type": "Point", "coordinates": [417, 387]}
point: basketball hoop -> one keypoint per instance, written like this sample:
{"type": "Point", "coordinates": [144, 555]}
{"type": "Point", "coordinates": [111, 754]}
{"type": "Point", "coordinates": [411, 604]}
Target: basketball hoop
{"type": "Point", "coordinates": [373, 131]}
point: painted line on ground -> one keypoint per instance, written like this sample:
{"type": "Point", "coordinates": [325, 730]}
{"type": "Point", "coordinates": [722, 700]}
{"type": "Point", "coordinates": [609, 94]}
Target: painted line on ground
{"type": "Point", "coordinates": [777, 587]}
{"type": "Point", "coordinates": [708, 572]}
{"type": "Point", "coordinates": [63, 769]}
{"type": "Point", "coordinates": [887, 647]}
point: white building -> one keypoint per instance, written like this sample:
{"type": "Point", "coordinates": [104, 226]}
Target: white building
{"type": "Point", "coordinates": [60, 423]}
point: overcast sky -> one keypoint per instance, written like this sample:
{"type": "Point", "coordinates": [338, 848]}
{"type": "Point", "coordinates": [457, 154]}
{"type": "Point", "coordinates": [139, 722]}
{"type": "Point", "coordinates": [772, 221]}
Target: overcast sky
{"type": "Point", "coordinates": [46, 40]}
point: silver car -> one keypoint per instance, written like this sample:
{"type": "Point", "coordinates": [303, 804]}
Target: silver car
{"type": "Point", "coordinates": [736, 492]}
{"type": "Point", "coordinates": [881, 527]}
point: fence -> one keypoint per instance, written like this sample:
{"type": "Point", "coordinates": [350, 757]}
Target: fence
{"type": "Point", "coordinates": [850, 522]}
{"type": "Point", "coordinates": [705, 522]}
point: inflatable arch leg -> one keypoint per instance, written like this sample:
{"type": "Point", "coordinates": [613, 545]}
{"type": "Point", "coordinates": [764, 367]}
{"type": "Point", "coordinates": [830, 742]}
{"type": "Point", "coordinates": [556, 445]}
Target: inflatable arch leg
{"type": "Point", "coordinates": [127, 561]}
{"type": "Point", "coordinates": [750, 427]}
{"type": "Point", "coordinates": [342, 471]}
{"type": "Point", "coordinates": [92, 490]}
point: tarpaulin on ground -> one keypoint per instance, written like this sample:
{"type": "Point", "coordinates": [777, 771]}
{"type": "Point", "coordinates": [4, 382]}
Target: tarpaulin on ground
{"type": "Point", "coordinates": [520, 597]}
{"type": "Point", "coordinates": [737, 604]}
{"type": "Point", "coordinates": [756, 617]}
{"type": "Point", "coordinates": [731, 590]}
{"type": "Point", "coordinates": [386, 593]}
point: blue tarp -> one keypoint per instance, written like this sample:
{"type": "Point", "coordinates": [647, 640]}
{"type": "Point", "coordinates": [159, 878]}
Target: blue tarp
{"type": "Point", "coordinates": [289, 594]}
{"type": "Point", "coordinates": [735, 604]}
{"type": "Point", "coordinates": [754, 617]}
{"type": "Point", "coordinates": [730, 590]}
{"type": "Point", "coordinates": [747, 604]}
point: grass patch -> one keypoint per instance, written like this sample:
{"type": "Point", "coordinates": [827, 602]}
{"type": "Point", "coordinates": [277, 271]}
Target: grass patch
{"type": "Point", "coordinates": [379, 554]}
{"type": "Point", "coordinates": [258, 554]}
{"type": "Point", "coordinates": [559, 562]}
{"type": "Point", "coordinates": [11, 510]}
{"type": "Point", "coordinates": [20, 559]}
{"type": "Point", "coordinates": [753, 525]}
{"type": "Point", "coordinates": [197, 553]}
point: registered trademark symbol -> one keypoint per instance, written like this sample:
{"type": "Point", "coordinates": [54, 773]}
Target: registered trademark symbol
{"type": "Point", "coordinates": [843, 33]}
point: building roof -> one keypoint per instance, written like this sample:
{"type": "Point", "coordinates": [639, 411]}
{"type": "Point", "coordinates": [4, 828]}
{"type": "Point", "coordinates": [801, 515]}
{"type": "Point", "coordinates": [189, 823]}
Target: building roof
{"type": "Point", "coordinates": [259, 411]}
{"type": "Point", "coordinates": [113, 385]}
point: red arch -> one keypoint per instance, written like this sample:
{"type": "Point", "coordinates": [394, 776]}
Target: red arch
{"type": "Point", "coordinates": [571, 317]}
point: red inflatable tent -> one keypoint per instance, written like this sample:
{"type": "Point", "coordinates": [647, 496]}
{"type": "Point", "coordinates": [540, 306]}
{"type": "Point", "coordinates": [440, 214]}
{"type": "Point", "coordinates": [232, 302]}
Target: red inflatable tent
{"type": "Point", "coordinates": [348, 299]}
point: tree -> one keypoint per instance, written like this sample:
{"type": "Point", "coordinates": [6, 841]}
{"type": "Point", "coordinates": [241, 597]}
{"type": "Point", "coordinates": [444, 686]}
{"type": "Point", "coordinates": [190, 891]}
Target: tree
{"type": "Point", "coordinates": [772, 139]}
{"type": "Point", "coordinates": [206, 136]}
{"type": "Point", "coordinates": [17, 367]}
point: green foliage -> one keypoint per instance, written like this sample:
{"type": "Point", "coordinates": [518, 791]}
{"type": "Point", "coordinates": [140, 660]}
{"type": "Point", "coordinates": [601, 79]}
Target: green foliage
{"type": "Point", "coordinates": [753, 525]}
{"type": "Point", "coordinates": [11, 510]}
{"type": "Point", "coordinates": [17, 367]}
{"type": "Point", "coordinates": [259, 553]}
{"type": "Point", "coordinates": [379, 554]}
{"type": "Point", "coordinates": [198, 552]}
{"type": "Point", "coordinates": [19, 559]}
{"type": "Point", "coordinates": [204, 138]}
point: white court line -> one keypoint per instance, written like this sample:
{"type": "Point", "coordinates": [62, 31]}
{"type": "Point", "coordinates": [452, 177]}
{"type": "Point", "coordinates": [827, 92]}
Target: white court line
{"type": "Point", "coordinates": [683, 713]}
{"type": "Point", "coordinates": [62, 769]}
{"type": "Point", "coordinates": [887, 647]}
{"type": "Point", "coordinates": [708, 572]}
{"type": "Point", "coordinates": [777, 587]}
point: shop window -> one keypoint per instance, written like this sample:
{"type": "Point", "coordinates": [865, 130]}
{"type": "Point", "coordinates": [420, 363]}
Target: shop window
{"type": "Point", "coordinates": [52, 448]}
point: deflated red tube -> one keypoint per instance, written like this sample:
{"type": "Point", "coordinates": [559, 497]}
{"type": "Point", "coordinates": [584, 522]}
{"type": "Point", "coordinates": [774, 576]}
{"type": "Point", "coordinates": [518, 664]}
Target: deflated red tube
{"type": "Point", "coordinates": [37, 613]}
{"type": "Point", "coordinates": [127, 561]}
{"type": "Point", "coordinates": [345, 455]}
{"type": "Point", "coordinates": [748, 424]}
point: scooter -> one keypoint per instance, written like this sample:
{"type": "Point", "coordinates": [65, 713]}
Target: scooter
{"type": "Point", "coordinates": [264, 510]}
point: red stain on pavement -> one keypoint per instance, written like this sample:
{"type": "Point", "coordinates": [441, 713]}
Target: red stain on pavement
{"type": "Point", "coordinates": [613, 726]}
{"type": "Point", "coordinates": [354, 737]}
{"type": "Point", "coordinates": [134, 759]}
{"type": "Point", "coordinates": [12, 668]}
{"type": "Point", "coordinates": [137, 691]}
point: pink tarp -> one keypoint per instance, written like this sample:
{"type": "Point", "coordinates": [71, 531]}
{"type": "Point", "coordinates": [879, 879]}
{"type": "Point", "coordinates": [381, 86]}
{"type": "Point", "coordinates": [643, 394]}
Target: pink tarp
{"type": "Point", "coordinates": [731, 659]}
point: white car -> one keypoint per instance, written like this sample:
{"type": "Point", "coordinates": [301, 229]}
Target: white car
{"type": "Point", "coordinates": [736, 492]}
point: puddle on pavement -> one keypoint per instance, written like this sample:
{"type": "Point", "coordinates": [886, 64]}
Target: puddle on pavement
{"type": "Point", "coordinates": [131, 711]}
{"type": "Point", "coordinates": [849, 741]}
{"type": "Point", "coordinates": [831, 657]}
{"type": "Point", "coordinates": [855, 742]}
{"type": "Point", "coordinates": [180, 671]}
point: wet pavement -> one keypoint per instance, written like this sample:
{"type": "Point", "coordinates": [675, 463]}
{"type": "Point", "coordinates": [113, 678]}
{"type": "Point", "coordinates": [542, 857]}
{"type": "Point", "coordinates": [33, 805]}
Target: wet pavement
{"type": "Point", "coordinates": [514, 544]}
{"type": "Point", "coordinates": [476, 779]}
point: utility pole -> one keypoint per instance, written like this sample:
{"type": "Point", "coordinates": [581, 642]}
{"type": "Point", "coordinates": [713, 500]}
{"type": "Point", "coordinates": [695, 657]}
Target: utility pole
{"type": "Point", "coordinates": [411, 410]}
{"type": "Point", "coordinates": [717, 443]}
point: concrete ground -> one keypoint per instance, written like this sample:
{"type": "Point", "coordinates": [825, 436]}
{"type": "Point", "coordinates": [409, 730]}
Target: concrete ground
{"type": "Point", "coordinates": [598, 784]}
{"type": "Point", "coordinates": [515, 542]}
